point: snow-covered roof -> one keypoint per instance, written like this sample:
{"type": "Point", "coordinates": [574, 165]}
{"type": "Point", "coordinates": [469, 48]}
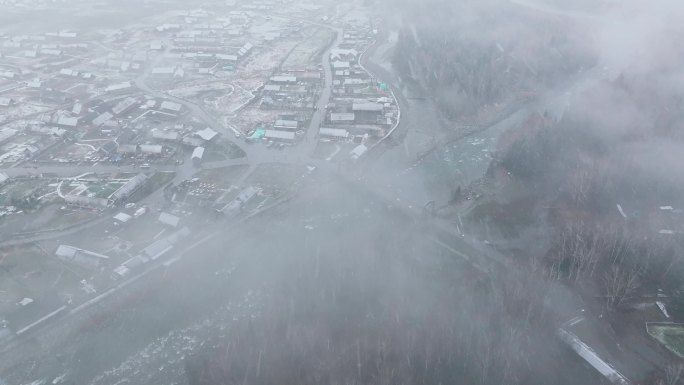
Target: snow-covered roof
{"type": "Point", "coordinates": [169, 219]}
{"type": "Point", "coordinates": [207, 134]}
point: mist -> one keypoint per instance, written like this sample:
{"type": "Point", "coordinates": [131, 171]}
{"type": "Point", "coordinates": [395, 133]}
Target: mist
{"type": "Point", "coordinates": [341, 192]}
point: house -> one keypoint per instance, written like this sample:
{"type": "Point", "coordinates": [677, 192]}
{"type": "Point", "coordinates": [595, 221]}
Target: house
{"type": "Point", "coordinates": [67, 122]}
{"type": "Point", "coordinates": [6, 102]}
{"type": "Point", "coordinates": [4, 178]}
{"type": "Point", "coordinates": [207, 134]}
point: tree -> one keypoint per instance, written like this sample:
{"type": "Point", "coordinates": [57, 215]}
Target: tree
{"type": "Point", "coordinates": [620, 283]}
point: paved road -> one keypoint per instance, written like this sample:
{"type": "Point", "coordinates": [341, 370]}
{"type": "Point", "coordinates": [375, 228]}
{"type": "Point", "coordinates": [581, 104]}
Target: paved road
{"type": "Point", "coordinates": [319, 114]}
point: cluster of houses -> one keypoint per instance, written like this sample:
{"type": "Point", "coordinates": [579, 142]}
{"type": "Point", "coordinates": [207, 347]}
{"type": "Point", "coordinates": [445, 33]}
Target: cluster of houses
{"type": "Point", "coordinates": [362, 108]}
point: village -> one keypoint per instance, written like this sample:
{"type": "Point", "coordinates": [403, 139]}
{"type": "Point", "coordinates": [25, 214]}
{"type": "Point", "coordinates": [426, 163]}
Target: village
{"type": "Point", "coordinates": [119, 147]}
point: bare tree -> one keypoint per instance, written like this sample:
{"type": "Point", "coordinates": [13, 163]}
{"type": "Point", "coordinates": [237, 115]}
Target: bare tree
{"type": "Point", "coordinates": [673, 375]}
{"type": "Point", "coordinates": [620, 284]}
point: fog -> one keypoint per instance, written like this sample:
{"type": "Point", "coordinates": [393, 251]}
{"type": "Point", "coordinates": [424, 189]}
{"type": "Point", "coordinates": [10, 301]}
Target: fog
{"type": "Point", "coordinates": [341, 192]}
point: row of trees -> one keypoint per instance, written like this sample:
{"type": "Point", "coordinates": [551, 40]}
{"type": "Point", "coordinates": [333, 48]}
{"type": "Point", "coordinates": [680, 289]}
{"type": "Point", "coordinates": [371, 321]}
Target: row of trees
{"type": "Point", "coordinates": [485, 53]}
{"type": "Point", "coordinates": [600, 187]}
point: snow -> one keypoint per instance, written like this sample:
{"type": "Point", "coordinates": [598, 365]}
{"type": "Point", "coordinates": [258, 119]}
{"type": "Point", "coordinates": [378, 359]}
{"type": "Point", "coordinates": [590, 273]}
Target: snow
{"type": "Point", "coordinates": [662, 308]}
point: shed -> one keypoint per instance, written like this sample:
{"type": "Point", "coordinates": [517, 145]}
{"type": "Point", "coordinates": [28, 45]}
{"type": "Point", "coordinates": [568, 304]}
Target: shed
{"type": "Point", "coordinates": [169, 219]}
{"type": "Point", "coordinates": [122, 217]}
{"type": "Point", "coordinates": [171, 106]}
{"type": "Point", "coordinates": [280, 135]}
{"type": "Point", "coordinates": [197, 155]}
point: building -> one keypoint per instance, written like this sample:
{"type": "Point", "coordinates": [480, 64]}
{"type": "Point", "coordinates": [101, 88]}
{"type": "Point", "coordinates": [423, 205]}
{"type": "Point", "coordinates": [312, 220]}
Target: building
{"type": "Point", "coordinates": [286, 136]}
{"type": "Point", "coordinates": [86, 202]}
{"type": "Point", "coordinates": [124, 106]}
{"type": "Point", "coordinates": [283, 79]}
{"type": "Point", "coordinates": [334, 133]}
{"type": "Point", "coordinates": [358, 151]}
{"type": "Point", "coordinates": [171, 106]}
{"type": "Point", "coordinates": [207, 134]}
{"type": "Point", "coordinates": [342, 117]}
{"type": "Point", "coordinates": [67, 122]}
{"type": "Point", "coordinates": [169, 219]}
{"type": "Point", "coordinates": [6, 134]}
{"type": "Point", "coordinates": [80, 257]}
{"type": "Point", "coordinates": [122, 217]}
{"type": "Point", "coordinates": [119, 87]}
{"type": "Point", "coordinates": [130, 187]}
{"type": "Point", "coordinates": [102, 119]}
{"type": "Point", "coordinates": [286, 125]}
{"type": "Point", "coordinates": [165, 135]}
{"type": "Point", "coordinates": [151, 149]}
{"type": "Point", "coordinates": [197, 155]}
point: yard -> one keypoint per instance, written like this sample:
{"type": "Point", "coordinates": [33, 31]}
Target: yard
{"type": "Point", "coordinates": [670, 335]}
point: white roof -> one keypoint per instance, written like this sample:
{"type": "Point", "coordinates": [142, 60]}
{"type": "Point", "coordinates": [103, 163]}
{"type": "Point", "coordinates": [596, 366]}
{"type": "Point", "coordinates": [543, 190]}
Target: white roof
{"type": "Point", "coordinates": [284, 79]}
{"type": "Point", "coordinates": [286, 123]}
{"type": "Point", "coordinates": [100, 120]}
{"type": "Point", "coordinates": [166, 135]}
{"type": "Point", "coordinates": [335, 132]}
{"type": "Point", "coordinates": [342, 116]}
{"type": "Point", "coordinates": [118, 86]}
{"type": "Point", "coordinates": [198, 153]}
{"type": "Point", "coordinates": [65, 251]}
{"type": "Point", "coordinates": [122, 217]}
{"type": "Point", "coordinates": [358, 151]}
{"type": "Point", "coordinates": [169, 219]}
{"type": "Point", "coordinates": [339, 52]}
{"type": "Point", "coordinates": [163, 70]}
{"type": "Point", "coordinates": [277, 134]}
{"type": "Point", "coordinates": [207, 134]}
{"type": "Point", "coordinates": [171, 106]}
{"type": "Point", "coordinates": [7, 133]}
{"type": "Point", "coordinates": [340, 64]}
{"type": "Point", "coordinates": [67, 121]}
{"type": "Point", "coordinates": [221, 56]}
{"type": "Point", "coordinates": [368, 106]}
{"type": "Point", "coordinates": [3, 177]}
{"type": "Point", "coordinates": [151, 148]}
